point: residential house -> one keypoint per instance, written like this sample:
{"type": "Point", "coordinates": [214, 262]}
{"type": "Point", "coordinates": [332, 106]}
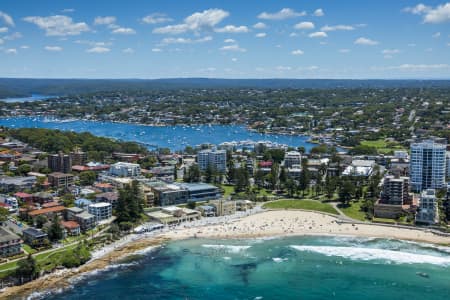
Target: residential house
{"type": "Point", "coordinates": [35, 237]}
{"type": "Point", "coordinates": [10, 243]}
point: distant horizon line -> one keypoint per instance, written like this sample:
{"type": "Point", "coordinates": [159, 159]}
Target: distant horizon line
{"type": "Point", "coordinates": [221, 78]}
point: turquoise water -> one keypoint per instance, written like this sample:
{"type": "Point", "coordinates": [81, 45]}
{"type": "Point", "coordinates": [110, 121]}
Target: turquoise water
{"type": "Point", "coordinates": [287, 268]}
{"type": "Point", "coordinates": [173, 137]}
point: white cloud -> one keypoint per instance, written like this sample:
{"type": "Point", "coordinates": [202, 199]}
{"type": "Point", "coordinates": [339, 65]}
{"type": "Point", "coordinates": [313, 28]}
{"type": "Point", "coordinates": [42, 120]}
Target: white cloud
{"type": "Point", "coordinates": [11, 51]}
{"type": "Point", "coordinates": [24, 47]}
{"type": "Point", "coordinates": [304, 25]}
{"type": "Point", "coordinates": [234, 48]}
{"type": "Point", "coordinates": [156, 50]}
{"type": "Point", "coordinates": [310, 68]}
{"type": "Point", "coordinates": [365, 41]}
{"type": "Point", "coordinates": [229, 41]}
{"type": "Point", "coordinates": [108, 20]}
{"type": "Point", "coordinates": [436, 35]}
{"type": "Point", "coordinates": [128, 50]}
{"type": "Point", "coordinates": [318, 12]}
{"type": "Point", "coordinates": [337, 27]}
{"type": "Point", "coordinates": [205, 20]}
{"type": "Point", "coordinates": [68, 10]}
{"type": "Point", "coordinates": [156, 18]}
{"type": "Point", "coordinates": [418, 9]}
{"type": "Point", "coordinates": [232, 29]}
{"type": "Point", "coordinates": [283, 68]}
{"type": "Point", "coordinates": [13, 36]}
{"type": "Point", "coordinates": [414, 67]}
{"type": "Point", "coordinates": [186, 40]}
{"type": "Point", "coordinates": [285, 13]}
{"type": "Point", "coordinates": [98, 50]}
{"type": "Point", "coordinates": [171, 29]}
{"type": "Point", "coordinates": [123, 30]}
{"type": "Point", "coordinates": [58, 25]}
{"type": "Point", "coordinates": [318, 34]}
{"type": "Point", "coordinates": [439, 14]}
{"type": "Point", "coordinates": [260, 25]}
{"type": "Point", "coordinates": [234, 59]}
{"type": "Point", "coordinates": [390, 51]}
{"type": "Point", "coordinates": [293, 34]}
{"type": "Point", "coordinates": [411, 45]}
{"type": "Point", "coordinates": [4, 29]}
{"type": "Point", "coordinates": [261, 35]}
{"type": "Point", "coordinates": [344, 50]}
{"type": "Point", "coordinates": [53, 48]}
{"type": "Point", "coordinates": [93, 43]}
{"type": "Point", "coordinates": [7, 19]}
{"type": "Point", "coordinates": [297, 52]}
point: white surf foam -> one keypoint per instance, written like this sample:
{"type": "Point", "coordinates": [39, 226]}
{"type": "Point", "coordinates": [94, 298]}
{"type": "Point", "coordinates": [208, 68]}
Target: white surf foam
{"type": "Point", "coordinates": [278, 259]}
{"type": "Point", "coordinates": [368, 254]}
{"type": "Point", "coordinates": [228, 248]}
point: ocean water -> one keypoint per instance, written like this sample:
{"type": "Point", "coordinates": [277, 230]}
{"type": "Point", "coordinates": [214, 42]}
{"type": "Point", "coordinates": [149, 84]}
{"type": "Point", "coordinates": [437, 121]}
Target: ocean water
{"type": "Point", "coordinates": [283, 268]}
{"type": "Point", "coordinates": [173, 137]}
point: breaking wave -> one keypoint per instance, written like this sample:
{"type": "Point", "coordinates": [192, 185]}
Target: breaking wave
{"type": "Point", "coordinates": [371, 254]}
{"type": "Point", "coordinates": [228, 248]}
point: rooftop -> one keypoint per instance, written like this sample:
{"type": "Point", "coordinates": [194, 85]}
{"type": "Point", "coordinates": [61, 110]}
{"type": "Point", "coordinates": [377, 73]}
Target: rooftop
{"type": "Point", "coordinates": [85, 215]}
{"type": "Point", "coordinates": [70, 224]}
{"type": "Point", "coordinates": [34, 232]}
{"type": "Point", "coordinates": [6, 236]}
{"type": "Point", "coordinates": [53, 209]}
{"type": "Point", "coordinates": [100, 204]}
{"type": "Point", "coordinates": [75, 209]}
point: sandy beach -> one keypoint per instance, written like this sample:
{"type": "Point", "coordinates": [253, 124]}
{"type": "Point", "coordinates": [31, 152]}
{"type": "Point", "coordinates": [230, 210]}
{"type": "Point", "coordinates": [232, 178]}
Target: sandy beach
{"type": "Point", "coordinates": [297, 222]}
{"type": "Point", "coordinates": [274, 223]}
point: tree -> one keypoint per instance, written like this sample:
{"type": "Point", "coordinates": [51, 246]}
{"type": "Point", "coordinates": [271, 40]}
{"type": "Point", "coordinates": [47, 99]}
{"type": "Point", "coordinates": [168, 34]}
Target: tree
{"type": "Point", "coordinates": [346, 191]}
{"type": "Point", "coordinates": [283, 175]}
{"type": "Point", "coordinates": [88, 178]}
{"type": "Point", "coordinates": [55, 231]}
{"type": "Point", "coordinates": [290, 186]}
{"type": "Point", "coordinates": [276, 155]}
{"type": "Point", "coordinates": [40, 221]}
{"type": "Point", "coordinates": [68, 200]}
{"type": "Point", "coordinates": [363, 150]}
{"type": "Point", "coordinates": [4, 213]}
{"type": "Point", "coordinates": [77, 256]}
{"type": "Point", "coordinates": [305, 177]}
{"type": "Point", "coordinates": [274, 172]}
{"type": "Point", "coordinates": [130, 203]}
{"type": "Point", "coordinates": [27, 268]}
{"type": "Point", "coordinates": [193, 174]}
{"type": "Point", "coordinates": [259, 177]}
{"type": "Point", "coordinates": [242, 182]}
{"type": "Point", "coordinates": [330, 187]}
{"type": "Point", "coordinates": [24, 169]}
{"type": "Point", "coordinates": [209, 173]}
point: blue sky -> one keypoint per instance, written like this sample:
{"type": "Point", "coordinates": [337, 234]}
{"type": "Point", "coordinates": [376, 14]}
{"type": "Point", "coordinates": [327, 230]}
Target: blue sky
{"type": "Point", "coordinates": [225, 39]}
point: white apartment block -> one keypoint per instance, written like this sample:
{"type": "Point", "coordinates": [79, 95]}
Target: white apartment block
{"type": "Point", "coordinates": [123, 169]}
{"type": "Point", "coordinates": [292, 158]}
{"type": "Point", "coordinates": [213, 157]}
{"type": "Point", "coordinates": [428, 208]}
{"type": "Point", "coordinates": [427, 166]}
{"type": "Point", "coordinates": [101, 211]}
